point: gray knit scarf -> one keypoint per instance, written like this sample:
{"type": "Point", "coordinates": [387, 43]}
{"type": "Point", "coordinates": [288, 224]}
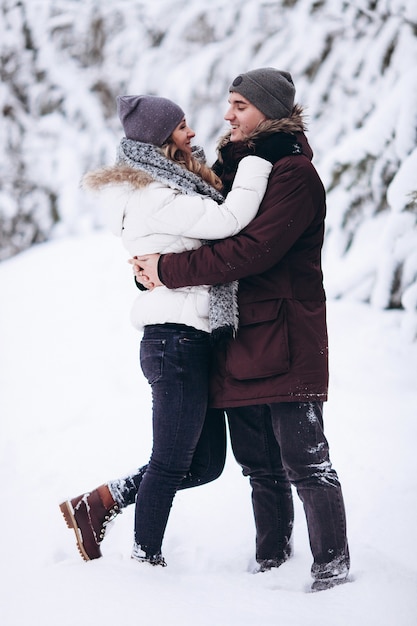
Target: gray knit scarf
{"type": "Point", "coordinates": [223, 308]}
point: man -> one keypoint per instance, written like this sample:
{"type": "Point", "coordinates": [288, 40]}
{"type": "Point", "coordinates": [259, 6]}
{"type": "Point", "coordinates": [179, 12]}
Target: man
{"type": "Point", "coordinates": [272, 378]}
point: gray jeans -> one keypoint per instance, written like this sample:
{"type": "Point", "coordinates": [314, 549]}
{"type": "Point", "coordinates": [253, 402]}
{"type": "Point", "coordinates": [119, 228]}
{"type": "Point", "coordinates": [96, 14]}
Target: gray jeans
{"type": "Point", "coordinates": [283, 443]}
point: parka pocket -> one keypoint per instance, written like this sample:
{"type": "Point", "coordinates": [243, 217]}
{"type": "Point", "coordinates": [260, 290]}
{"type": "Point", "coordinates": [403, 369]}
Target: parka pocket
{"type": "Point", "coordinates": [261, 348]}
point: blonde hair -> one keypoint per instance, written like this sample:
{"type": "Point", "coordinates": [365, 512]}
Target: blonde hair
{"type": "Point", "coordinates": [192, 164]}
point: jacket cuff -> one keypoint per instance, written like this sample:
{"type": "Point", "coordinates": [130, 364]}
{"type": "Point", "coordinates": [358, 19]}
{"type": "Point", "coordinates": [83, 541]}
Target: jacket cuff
{"type": "Point", "coordinates": [159, 269]}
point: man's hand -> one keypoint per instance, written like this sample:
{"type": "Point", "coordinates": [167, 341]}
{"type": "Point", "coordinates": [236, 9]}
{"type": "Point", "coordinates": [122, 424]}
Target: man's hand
{"type": "Point", "coordinates": [145, 269]}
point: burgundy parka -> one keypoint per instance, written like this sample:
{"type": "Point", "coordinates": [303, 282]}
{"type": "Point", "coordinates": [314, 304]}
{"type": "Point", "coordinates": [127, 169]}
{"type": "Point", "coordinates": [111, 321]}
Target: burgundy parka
{"type": "Point", "coordinates": [280, 352]}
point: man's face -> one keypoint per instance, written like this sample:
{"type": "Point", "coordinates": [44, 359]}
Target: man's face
{"type": "Point", "coordinates": [243, 116]}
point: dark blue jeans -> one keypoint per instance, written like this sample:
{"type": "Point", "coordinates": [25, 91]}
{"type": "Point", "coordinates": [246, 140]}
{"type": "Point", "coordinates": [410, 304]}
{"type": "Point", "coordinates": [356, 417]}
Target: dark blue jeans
{"type": "Point", "coordinates": [282, 443]}
{"type": "Point", "coordinates": [188, 440]}
{"type": "Point", "coordinates": [207, 464]}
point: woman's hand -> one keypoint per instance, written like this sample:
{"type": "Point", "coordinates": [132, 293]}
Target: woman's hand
{"type": "Point", "coordinates": [145, 269]}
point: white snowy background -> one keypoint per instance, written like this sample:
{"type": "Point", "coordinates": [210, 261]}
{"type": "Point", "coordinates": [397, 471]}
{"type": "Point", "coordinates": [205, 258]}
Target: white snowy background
{"type": "Point", "coordinates": [74, 407]}
{"type": "Point", "coordinates": [76, 413]}
{"type": "Point", "coordinates": [354, 64]}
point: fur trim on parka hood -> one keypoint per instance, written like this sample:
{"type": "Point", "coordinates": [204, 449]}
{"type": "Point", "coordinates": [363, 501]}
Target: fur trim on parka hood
{"type": "Point", "coordinates": [294, 124]}
{"type": "Point", "coordinates": [115, 175]}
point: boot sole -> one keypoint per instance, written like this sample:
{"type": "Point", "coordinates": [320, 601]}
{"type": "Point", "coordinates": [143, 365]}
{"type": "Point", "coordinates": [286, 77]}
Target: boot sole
{"type": "Point", "coordinates": [67, 512]}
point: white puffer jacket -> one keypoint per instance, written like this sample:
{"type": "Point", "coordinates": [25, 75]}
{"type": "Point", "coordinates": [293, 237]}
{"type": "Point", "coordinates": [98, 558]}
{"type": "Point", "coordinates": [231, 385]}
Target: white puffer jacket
{"type": "Point", "coordinates": [152, 217]}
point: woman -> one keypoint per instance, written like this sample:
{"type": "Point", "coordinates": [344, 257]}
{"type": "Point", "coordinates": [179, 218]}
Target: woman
{"type": "Point", "coordinates": [161, 198]}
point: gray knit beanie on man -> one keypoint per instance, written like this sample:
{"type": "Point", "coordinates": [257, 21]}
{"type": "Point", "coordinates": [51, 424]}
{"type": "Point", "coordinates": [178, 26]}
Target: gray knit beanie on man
{"type": "Point", "coordinates": [149, 119]}
{"type": "Point", "coordinates": [269, 90]}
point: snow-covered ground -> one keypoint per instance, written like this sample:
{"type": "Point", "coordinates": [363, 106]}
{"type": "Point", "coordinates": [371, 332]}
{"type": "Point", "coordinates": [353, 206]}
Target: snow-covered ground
{"type": "Point", "coordinates": [75, 412]}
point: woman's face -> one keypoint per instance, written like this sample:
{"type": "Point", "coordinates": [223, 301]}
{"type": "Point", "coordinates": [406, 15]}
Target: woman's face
{"type": "Point", "coordinates": [243, 116]}
{"type": "Point", "coordinates": [182, 136]}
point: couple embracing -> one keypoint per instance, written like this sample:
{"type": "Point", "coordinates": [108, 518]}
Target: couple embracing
{"type": "Point", "coordinates": [233, 314]}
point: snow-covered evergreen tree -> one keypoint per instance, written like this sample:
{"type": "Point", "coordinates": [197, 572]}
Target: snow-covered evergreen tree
{"type": "Point", "coordinates": [354, 65]}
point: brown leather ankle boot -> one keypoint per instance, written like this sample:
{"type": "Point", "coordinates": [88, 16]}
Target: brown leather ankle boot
{"type": "Point", "coordinates": [88, 515]}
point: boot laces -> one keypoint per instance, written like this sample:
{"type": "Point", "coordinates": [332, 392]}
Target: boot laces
{"type": "Point", "coordinates": [111, 514]}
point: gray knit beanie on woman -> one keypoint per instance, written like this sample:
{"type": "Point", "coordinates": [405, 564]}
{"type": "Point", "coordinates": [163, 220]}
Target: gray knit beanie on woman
{"type": "Point", "coordinates": [149, 119]}
{"type": "Point", "coordinates": [269, 90]}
